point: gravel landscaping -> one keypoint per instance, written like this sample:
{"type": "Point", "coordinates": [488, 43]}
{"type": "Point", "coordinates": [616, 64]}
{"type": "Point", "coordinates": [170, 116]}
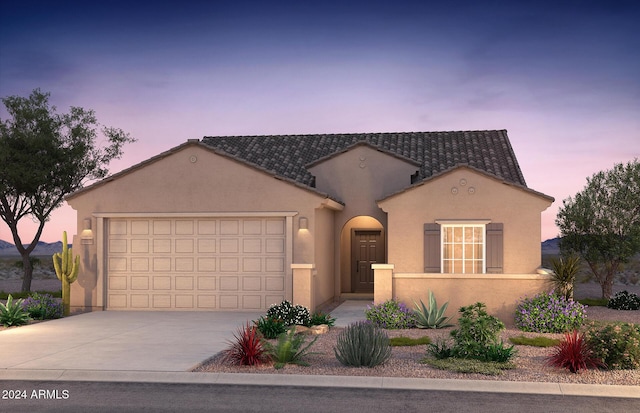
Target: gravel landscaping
{"type": "Point", "coordinates": [405, 361]}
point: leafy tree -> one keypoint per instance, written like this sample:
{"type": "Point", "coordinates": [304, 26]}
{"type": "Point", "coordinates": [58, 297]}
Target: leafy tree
{"type": "Point", "coordinates": [43, 157]}
{"type": "Point", "coordinates": [602, 223]}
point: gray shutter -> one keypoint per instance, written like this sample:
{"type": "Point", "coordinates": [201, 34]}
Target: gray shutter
{"type": "Point", "coordinates": [495, 248]}
{"type": "Point", "coordinates": [432, 248]}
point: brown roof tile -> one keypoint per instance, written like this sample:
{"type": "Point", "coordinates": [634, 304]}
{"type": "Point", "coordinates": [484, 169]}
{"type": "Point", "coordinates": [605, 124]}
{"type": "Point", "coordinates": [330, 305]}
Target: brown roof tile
{"type": "Point", "coordinates": [289, 155]}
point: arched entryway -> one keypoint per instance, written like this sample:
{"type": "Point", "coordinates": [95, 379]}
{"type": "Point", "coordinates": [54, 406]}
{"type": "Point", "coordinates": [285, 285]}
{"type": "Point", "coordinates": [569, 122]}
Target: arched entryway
{"type": "Point", "coordinates": [362, 243]}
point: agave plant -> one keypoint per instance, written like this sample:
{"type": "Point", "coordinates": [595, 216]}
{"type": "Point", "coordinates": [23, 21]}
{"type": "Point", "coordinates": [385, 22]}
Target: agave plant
{"type": "Point", "coordinates": [289, 349]}
{"type": "Point", "coordinates": [12, 313]}
{"type": "Point", "coordinates": [432, 317]}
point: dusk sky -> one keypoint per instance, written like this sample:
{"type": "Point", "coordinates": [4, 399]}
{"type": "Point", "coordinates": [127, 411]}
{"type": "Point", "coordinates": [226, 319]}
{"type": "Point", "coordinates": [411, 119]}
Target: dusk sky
{"type": "Point", "coordinates": [562, 77]}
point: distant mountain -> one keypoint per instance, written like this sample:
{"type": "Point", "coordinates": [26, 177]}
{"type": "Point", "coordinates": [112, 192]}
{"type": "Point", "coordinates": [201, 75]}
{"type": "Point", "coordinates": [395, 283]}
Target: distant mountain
{"type": "Point", "coordinates": [551, 246]}
{"type": "Point", "coordinates": [43, 248]}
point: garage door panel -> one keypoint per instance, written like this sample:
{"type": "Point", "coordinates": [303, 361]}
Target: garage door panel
{"type": "Point", "coordinates": [184, 283]}
{"type": "Point", "coordinates": [162, 301]}
{"type": "Point", "coordinates": [207, 283]}
{"type": "Point", "coordinates": [140, 264]}
{"type": "Point", "coordinates": [250, 264]}
{"type": "Point", "coordinates": [184, 301]}
{"type": "Point", "coordinates": [251, 302]}
{"type": "Point", "coordinates": [161, 264]}
{"type": "Point", "coordinates": [195, 264]}
{"type": "Point", "coordinates": [184, 264]}
{"type": "Point", "coordinates": [139, 282]}
{"type": "Point", "coordinates": [117, 282]}
{"type": "Point", "coordinates": [251, 283]}
{"type": "Point", "coordinates": [139, 301]}
{"type": "Point", "coordinates": [207, 264]}
{"type": "Point", "coordinates": [228, 283]}
{"type": "Point", "coordinates": [184, 227]}
{"type": "Point", "coordinates": [140, 227]}
{"type": "Point", "coordinates": [207, 302]}
{"type": "Point", "coordinates": [162, 246]}
{"type": "Point", "coordinates": [229, 302]}
{"type": "Point", "coordinates": [229, 264]}
{"type": "Point", "coordinates": [185, 246]}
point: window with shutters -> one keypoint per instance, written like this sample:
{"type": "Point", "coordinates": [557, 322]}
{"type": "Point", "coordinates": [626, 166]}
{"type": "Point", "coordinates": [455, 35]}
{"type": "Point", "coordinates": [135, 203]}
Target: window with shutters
{"type": "Point", "coordinates": [470, 247]}
{"type": "Point", "coordinates": [463, 249]}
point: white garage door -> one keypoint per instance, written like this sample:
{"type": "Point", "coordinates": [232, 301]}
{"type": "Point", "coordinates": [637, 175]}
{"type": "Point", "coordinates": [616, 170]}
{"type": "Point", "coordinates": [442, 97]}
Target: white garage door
{"type": "Point", "coordinates": [195, 264]}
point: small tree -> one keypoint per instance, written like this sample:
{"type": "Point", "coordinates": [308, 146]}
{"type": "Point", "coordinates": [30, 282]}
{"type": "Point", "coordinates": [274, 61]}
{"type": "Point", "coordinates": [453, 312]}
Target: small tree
{"type": "Point", "coordinates": [45, 156]}
{"type": "Point", "coordinates": [602, 223]}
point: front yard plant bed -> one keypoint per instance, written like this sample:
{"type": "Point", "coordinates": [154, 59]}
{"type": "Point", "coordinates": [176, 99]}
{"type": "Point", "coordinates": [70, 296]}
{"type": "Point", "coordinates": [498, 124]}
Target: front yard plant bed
{"type": "Point", "coordinates": [408, 361]}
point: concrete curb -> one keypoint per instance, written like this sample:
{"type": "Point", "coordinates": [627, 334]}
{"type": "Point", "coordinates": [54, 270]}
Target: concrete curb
{"type": "Point", "coordinates": [488, 386]}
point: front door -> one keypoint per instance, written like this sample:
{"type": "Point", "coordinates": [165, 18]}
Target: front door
{"type": "Point", "coordinates": [367, 247]}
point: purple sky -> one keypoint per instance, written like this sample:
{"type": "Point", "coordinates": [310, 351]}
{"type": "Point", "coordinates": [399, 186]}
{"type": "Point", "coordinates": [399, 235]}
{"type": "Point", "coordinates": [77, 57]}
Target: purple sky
{"type": "Point", "coordinates": [562, 77]}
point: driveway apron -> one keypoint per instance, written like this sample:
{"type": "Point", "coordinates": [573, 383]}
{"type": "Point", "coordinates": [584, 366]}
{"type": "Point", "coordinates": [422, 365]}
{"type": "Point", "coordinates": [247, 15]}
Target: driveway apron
{"type": "Point", "coordinates": [121, 341]}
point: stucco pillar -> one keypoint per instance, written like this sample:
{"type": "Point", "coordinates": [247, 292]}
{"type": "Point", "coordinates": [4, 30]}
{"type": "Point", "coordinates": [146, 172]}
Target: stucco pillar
{"type": "Point", "coordinates": [382, 282]}
{"type": "Point", "coordinates": [303, 286]}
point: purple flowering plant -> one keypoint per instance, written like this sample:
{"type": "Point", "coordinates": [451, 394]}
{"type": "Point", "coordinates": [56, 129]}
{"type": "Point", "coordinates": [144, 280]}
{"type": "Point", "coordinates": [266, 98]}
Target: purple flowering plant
{"type": "Point", "coordinates": [42, 306]}
{"type": "Point", "coordinates": [549, 313]}
{"type": "Point", "coordinates": [391, 315]}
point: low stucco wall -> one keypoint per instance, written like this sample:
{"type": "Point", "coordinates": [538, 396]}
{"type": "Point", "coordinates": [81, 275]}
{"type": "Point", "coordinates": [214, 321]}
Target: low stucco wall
{"type": "Point", "coordinates": [500, 292]}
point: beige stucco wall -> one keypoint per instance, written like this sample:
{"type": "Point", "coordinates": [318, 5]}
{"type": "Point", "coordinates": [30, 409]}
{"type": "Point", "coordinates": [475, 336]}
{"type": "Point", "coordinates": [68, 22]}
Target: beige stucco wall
{"type": "Point", "coordinates": [192, 179]}
{"type": "Point", "coordinates": [500, 293]}
{"type": "Point", "coordinates": [358, 177]}
{"type": "Point", "coordinates": [324, 242]}
{"type": "Point", "coordinates": [465, 194]}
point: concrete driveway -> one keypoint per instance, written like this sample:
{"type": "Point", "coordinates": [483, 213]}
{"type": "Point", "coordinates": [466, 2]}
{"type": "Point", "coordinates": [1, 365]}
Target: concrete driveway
{"type": "Point", "coordinates": [121, 340]}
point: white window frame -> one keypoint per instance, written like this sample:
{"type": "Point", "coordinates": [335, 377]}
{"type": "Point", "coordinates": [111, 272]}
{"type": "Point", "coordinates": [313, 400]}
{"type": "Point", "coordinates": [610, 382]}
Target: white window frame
{"type": "Point", "coordinates": [444, 225]}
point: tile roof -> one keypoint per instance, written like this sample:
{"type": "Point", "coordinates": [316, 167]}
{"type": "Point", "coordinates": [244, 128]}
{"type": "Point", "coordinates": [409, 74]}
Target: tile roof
{"type": "Point", "coordinates": [289, 155]}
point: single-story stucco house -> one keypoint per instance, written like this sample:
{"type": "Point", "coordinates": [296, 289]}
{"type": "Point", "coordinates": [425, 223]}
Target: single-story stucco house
{"type": "Point", "coordinates": [242, 222]}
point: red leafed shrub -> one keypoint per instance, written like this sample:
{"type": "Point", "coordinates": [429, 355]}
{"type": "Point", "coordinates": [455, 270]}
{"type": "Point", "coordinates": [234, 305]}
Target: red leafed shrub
{"type": "Point", "coordinates": [246, 348]}
{"type": "Point", "coordinates": [574, 353]}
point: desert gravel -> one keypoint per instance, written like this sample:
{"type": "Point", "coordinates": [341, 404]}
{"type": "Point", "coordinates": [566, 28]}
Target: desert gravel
{"type": "Point", "coordinates": [405, 361]}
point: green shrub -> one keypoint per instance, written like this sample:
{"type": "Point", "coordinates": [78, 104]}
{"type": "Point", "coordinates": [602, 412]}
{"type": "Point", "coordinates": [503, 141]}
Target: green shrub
{"type": "Point", "coordinates": [624, 300]}
{"type": "Point", "coordinates": [290, 314]}
{"type": "Point", "coordinates": [320, 318]}
{"type": "Point", "coordinates": [475, 338]}
{"type": "Point", "coordinates": [407, 341]}
{"type": "Point", "coordinates": [440, 350]}
{"type": "Point", "coordinates": [617, 344]}
{"type": "Point", "coordinates": [549, 313]}
{"type": "Point", "coordinates": [42, 306]}
{"type": "Point", "coordinates": [498, 352]}
{"type": "Point", "coordinates": [289, 349]}
{"type": "Point", "coordinates": [432, 317]}
{"type": "Point", "coordinates": [391, 315]}
{"type": "Point", "coordinates": [270, 327]}
{"type": "Point", "coordinates": [362, 344]}
{"type": "Point", "coordinates": [477, 330]}
{"type": "Point", "coordinates": [12, 313]}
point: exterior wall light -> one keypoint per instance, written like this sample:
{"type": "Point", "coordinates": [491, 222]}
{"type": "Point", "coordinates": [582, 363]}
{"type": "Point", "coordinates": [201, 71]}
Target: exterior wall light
{"type": "Point", "coordinates": [86, 237]}
{"type": "Point", "coordinates": [303, 223]}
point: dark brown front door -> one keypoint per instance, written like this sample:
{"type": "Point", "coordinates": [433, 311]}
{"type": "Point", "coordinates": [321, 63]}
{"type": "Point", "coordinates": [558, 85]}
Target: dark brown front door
{"type": "Point", "coordinates": [367, 247]}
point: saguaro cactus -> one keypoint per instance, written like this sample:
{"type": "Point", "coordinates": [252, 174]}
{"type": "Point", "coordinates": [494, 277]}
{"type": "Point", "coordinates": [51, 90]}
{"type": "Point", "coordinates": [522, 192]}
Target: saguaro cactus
{"type": "Point", "coordinates": [67, 271]}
